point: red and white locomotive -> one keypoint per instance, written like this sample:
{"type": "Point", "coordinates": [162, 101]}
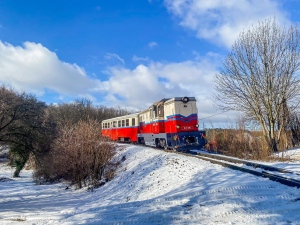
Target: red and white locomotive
{"type": "Point", "coordinates": [171, 123]}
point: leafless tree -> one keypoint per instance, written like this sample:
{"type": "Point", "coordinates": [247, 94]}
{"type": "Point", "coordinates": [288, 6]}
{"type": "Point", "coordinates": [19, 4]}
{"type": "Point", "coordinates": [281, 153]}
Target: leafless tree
{"type": "Point", "coordinates": [260, 75]}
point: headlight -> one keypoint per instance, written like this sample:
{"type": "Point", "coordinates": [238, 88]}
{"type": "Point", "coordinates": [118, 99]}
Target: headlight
{"type": "Point", "coordinates": [197, 125]}
{"type": "Point", "coordinates": [185, 99]}
{"type": "Point", "coordinates": [177, 126]}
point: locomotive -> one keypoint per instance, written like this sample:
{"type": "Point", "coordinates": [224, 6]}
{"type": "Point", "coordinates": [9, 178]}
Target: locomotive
{"type": "Point", "coordinates": [171, 123]}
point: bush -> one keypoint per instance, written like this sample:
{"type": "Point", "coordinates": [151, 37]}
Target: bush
{"type": "Point", "coordinates": [78, 155]}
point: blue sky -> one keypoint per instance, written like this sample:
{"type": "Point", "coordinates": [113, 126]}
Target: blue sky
{"type": "Point", "coordinates": [126, 53]}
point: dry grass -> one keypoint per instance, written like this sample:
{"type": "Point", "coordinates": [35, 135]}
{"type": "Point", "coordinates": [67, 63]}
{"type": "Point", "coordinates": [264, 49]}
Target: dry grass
{"type": "Point", "coordinates": [238, 143]}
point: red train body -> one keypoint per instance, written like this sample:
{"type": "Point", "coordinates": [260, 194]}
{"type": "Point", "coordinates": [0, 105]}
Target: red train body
{"type": "Point", "coordinates": [170, 123]}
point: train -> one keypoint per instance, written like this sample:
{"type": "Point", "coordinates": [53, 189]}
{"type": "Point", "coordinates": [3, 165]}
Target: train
{"type": "Point", "coordinates": [171, 123]}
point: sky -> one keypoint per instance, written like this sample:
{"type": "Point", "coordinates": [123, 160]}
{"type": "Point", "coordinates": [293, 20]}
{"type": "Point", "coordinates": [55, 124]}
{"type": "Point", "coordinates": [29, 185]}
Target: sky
{"type": "Point", "coordinates": [126, 53]}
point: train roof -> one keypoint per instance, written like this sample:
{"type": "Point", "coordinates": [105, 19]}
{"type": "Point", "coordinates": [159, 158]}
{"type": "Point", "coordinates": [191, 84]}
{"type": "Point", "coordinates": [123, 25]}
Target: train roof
{"type": "Point", "coordinates": [165, 100]}
{"type": "Point", "coordinates": [122, 117]}
{"type": "Point", "coordinates": [162, 101]}
{"type": "Point", "coordinates": [180, 99]}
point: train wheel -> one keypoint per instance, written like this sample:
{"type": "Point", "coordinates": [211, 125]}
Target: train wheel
{"type": "Point", "coordinates": [157, 144]}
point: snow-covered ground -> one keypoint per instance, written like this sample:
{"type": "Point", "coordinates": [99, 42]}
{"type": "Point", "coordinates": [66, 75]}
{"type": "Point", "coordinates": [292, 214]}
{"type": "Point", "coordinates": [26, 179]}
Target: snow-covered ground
{"type": "Point", "coordinates": [152, 187]}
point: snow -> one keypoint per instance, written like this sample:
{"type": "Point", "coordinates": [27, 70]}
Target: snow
{"type": "Point", "coordinates": [152, 187]}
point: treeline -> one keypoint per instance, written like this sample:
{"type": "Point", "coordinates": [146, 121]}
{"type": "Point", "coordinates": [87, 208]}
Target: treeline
{"type": "Point", "coordinates": [63, 140]}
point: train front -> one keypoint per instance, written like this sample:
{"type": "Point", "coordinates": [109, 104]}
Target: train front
{"type": "Point", "coordinates": [181, 124]}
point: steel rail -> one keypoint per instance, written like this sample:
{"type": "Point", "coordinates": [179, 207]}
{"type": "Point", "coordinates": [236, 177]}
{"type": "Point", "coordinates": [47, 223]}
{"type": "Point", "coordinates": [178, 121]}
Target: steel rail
{"type": "Point", "coordinates": [253, 164]}
{"type": "Point", "coordinates": [283, 180]}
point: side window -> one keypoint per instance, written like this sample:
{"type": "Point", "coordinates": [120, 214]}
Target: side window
{"type": "Point", "coordinates": [114, 123]}
{"type": "Point", "coordinates": [123, 123]}
{"type": "Point", "coordinates": [127, 122]}
{"type": "Point", "coordinates": [161, 111]}
{"type": "Point", "coordinates": [119, 123]}
{"type": "Point", "coordinates": [133, 122]}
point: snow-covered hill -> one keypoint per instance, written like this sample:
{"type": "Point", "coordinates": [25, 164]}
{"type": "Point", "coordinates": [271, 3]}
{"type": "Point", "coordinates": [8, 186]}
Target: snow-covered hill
{"type": "Point", "coordinates": [152, 187]}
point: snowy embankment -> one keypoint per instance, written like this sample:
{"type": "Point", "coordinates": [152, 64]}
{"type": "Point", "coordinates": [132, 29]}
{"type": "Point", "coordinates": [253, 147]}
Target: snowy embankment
{"type": "Point", "coordinates": [153, 187]}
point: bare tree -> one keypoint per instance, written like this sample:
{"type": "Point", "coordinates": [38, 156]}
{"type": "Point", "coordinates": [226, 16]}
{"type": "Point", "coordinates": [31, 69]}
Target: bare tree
{"type": "Point", "coordinates": [260, 75]}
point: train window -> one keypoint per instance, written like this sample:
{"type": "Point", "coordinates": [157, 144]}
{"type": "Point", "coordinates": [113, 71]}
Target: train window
{"type": "Point", "coordinates": [154, 112]}
{"type": "Point", "coordinates": [127, 122]}
{"type": "Point", "coordinates": [161, 111]}
{"type": "Point", "coordinates": [114, 123]}
{"type": "Point", "coordinates": [119, 123]}
{"type": "Point", "coordinates": [141, 119]}
{"type": "Point", "coordinates": [123, 123]}
{"type": "Point", "coordinates": [133, 122]}
{"type": "Point", "coordinates": [108, 125]}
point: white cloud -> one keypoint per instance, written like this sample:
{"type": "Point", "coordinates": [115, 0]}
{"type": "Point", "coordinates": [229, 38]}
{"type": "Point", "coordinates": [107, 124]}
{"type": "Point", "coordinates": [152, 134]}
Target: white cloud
{"type": "Point", "coordinates": [136, 59]}
{"type": "Point", "coordinates": [221, 21]}
{"type": "Point", "coordinates": [152, 44]}
{"type": "Point", "coordinates": [110, 56]}
{"type": "Point", "coordinates": [33, 68]}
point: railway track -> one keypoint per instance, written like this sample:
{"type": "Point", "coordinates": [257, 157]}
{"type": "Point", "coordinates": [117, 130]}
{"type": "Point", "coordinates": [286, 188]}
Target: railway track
{"type": "Point", "coordinates": [232, 163]}
{"type": "Point", "coordinates": [252, 168]}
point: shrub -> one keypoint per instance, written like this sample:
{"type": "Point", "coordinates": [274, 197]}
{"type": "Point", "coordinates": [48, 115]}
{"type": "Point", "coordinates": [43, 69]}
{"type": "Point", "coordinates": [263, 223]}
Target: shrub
{"type": "Point", "coordinates": [78, 155]}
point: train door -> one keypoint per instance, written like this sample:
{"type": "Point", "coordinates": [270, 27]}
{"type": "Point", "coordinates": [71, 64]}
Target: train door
{"type": "Point", "coordinates": [169, 117]}
{"type": "Point", "coordinates": [154, 120]}
{"type": "Point", "coordinates": [141, 124]}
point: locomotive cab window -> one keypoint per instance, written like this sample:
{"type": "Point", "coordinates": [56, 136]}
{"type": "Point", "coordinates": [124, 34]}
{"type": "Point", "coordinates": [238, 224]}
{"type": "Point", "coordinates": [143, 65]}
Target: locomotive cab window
{"type": "Point", "coordinates": [161, 111]}
{"type": "Point", "coordinates": [154, 111]}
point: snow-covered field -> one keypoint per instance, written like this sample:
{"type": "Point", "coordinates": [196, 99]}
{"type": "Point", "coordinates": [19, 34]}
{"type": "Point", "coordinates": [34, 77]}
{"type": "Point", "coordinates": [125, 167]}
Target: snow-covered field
{"type": "Point", "coordinates": [152, 187]}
